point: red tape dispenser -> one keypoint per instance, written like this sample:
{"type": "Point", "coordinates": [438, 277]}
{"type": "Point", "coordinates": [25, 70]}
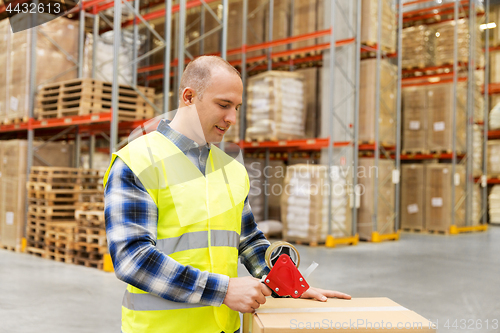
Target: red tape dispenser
{"type": "Point", "coordinates": [285, 279]}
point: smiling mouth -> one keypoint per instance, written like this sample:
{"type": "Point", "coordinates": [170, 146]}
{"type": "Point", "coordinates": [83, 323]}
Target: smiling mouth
{"type": "Point", "coordinates": [222, 129]}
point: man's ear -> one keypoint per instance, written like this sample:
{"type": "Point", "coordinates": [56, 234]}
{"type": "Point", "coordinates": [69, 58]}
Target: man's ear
{"type": "Point", "coordinates": [188, 95]}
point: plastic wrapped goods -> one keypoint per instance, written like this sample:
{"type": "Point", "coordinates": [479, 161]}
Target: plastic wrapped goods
{"type": "Point", "coordinates": [275, 106]}
{"type": "Point", "coordinates": [304, 203]}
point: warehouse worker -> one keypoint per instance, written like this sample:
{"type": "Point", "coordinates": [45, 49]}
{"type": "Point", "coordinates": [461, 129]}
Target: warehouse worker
{"type": "Point", "coordinates": [178, 218]}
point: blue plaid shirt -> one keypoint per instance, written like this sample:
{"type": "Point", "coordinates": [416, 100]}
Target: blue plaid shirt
{"type": "Point", "coordinates": [131, 227]}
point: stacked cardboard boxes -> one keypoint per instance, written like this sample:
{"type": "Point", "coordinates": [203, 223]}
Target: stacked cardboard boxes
{"type": "Point", "coordinates": [370, 25]}
{"type": "Point", "coordinates": [438, 205]}
{"type": "Point", "coordinates": [275, 106]}
{"type": "Point", "coordinates": [414, 119]}
{"type": "Point", "coordinates": [445, 43]}
{"type": "Point", "coordinates": [367, 97]}
{"type": "Point", "coordinates": [15, 62]}
{"type": "Point", "coordinates": [304, 204]}
{"type": "Point", "coordinates": [13, 183]}
{"type": "Point", "coordinates": [413, 196]}
{"type": "Point", "coordinates": [368, 174]}
{"type": "Point", "coordinates": [418, 47]}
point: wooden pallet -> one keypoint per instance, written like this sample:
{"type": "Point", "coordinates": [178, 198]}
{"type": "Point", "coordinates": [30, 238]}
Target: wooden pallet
{"type": "Point", "coordinates": [90, 248]}
{"type": "Point", "coordinates": [91, 235]}
{"type": "Point", "coordinates": [14, 120]}
{"type": "Point", "coordinates": [89, 85]}
{"type": "Point", "coordinates": [16, 248]}
{"type": "Point", "coordinates": [66, 258]}
{"type": "Point", "coordinates": [87, 260]}
{"type": "Point", "coordinates": [301, 242]}
{"type": "Point", "coordinates": [36, 251]}
{"type": "Point", "coordinates": [87, 96]}
{"type": "Point", "coordinates": [415, 152]}
{"type": "Point", "coordinates": [90, 218]}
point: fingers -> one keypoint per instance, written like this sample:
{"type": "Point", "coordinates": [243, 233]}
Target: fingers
{"type": "Point", "coordinates": [332, 294]}
{"type": "Point", "coordinates": [265, 290]}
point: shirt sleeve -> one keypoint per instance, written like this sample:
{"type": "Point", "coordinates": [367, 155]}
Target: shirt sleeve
{"type": "Point", "coordinates": [131, 226]}
{"type": "Point", "coordinates": [253, 244]}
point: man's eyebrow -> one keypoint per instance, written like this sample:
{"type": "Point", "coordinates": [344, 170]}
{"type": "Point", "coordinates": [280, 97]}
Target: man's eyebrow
{"type": "Point", "coordinates": [226, 100]}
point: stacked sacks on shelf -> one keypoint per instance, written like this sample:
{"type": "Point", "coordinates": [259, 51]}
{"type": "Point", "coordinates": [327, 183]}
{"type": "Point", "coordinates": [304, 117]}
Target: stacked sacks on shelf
{"type": "Point", "coordinates": [275, 106]}
{"type": "Point", "coordinates": [493, 167]}
{"type": "Point", "coordinates": [494, 205]}
{"type": "Point", "coordinates": [495, 115]}
{"type": "Point", "coordinates": [304, 204]}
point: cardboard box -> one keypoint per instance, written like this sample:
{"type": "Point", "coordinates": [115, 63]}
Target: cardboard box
{"type": "Point", "coordinates": [367, 96]}
{"type": "Point", "coordinates": [438, 205]}
{"type": "Point", "coordinates": [418, 46]}
{"type": "Point", "coordinates": [13, 183]}
{"type": "Point", "coordinates": [15, 62]}
{"type": "Point", "coordinates": [287, 315]}
{"type": "Point", "coordinates": [414, 119]}
{"type": "Point", "coordinates": [412, 196]}
{"type": "Point", "coordinates": [367, 175]}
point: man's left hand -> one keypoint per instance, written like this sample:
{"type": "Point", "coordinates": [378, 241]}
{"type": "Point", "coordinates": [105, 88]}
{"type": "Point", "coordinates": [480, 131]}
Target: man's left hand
{"type": "Point", "coordinates": [322, 294]}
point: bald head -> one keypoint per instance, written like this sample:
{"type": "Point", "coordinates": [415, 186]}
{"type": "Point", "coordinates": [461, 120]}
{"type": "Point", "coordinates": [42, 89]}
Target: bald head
{"type": "Point", "coordinates": [198, 73]}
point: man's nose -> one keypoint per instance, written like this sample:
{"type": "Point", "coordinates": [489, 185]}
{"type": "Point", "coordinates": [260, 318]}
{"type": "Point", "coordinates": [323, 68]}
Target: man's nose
{"type": "Point", "coordinates": [231, 116]}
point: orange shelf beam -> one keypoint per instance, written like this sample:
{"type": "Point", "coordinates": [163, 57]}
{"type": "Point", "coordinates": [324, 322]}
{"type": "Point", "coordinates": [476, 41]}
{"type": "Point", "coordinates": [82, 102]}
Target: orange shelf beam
{"type": "Point", "coordinates": [492, 135]}
{"type": "Point", "coordinates": [302, 144]}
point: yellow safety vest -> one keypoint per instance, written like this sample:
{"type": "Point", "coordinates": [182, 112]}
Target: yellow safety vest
{"type": "Point", "coordinates": [199, 224]}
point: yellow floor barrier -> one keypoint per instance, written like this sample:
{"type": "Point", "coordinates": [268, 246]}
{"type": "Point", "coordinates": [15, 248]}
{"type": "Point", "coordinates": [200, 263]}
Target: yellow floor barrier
{"type": "Point", "coordinates": [377, 238]}
{"type": "Point", "coordinates": [332, 241]}
{"type": "Point", "coordinates": [454, 230]}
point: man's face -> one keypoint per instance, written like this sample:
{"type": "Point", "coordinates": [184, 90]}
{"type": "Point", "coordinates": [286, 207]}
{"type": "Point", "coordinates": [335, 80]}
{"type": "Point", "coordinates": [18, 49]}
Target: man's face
{"type": "Point", "coordinates": [220, 102]}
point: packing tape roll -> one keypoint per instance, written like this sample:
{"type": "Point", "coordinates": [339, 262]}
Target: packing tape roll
{"type": "Point", "coordinates": [278, 248]}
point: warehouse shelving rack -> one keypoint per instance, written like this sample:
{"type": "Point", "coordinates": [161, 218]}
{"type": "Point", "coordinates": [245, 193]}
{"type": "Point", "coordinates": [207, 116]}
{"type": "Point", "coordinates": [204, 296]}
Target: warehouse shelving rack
{"type": "Point", "coordinates": [108, 123]}
{"type": "Point", "coordinates": [457, 10]}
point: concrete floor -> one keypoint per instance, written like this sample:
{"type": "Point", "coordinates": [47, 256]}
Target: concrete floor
{"type": "Point", "coordinates": [439, 277]}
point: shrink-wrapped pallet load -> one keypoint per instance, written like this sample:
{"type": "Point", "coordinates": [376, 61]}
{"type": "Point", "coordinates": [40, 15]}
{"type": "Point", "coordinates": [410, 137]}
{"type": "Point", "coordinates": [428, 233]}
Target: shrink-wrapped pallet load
{"type": "Point", "coordinates": [438, 205]}
{"type": "Point", "coordinates": [412, 196]}
{"type": "Point", "coordinates": [445, 46]}
{"type": "Point", "coordinates": [255, 27]}
{"type": "Point", "coordinates": [104, 56]}
{"type": "Point", "coordinates": [368, 174]}
{"type": "Point", "coordinates": [311, 101]}
{"type": "Point", "coordinates": [494, 118]}
{"type": "Point", "coordinates": [275, 106]}
{"type": "Point", "coordinates": [304, 204]}
{"type": "Point", "coordinates": [418, 47]}
{"type": "Point", "coordinates": [15, 62]}
{"type": "Point", "coordinates": [440, 117]}
{"type": "Point", "coordinates": [493, 167]}
{"type": "Point", "coordinates": [494, 205]}
{"type": "Point", "coordinates": [414, 119]}
{"type": "Point", "coordinates": [367, 97]}
{"type": "Point", "coordinates": [477, 151]}
{"type": "Point", "coordinates": [370, 24]}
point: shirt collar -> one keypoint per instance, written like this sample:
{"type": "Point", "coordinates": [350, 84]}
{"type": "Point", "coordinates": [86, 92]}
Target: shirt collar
{"type": "Point", "coordinates": [180, 140]}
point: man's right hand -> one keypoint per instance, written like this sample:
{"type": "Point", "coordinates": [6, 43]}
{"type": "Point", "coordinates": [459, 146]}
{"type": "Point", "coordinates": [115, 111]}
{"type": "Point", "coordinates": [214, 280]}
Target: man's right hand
{"type": "Point", "coordinates": [246, 294]}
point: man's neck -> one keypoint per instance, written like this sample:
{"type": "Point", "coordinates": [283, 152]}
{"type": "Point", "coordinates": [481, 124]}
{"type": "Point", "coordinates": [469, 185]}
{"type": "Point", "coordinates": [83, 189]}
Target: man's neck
{"type": "Point", "coordinates": [187, 123]}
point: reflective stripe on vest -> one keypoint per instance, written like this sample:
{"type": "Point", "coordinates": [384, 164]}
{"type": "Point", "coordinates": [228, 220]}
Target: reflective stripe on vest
{"type": "Point", "coordinates": [148, 302]}
{"type": "Point", "coordinates": [198, 240]}
{"type": "Point", "coordinates": [199, 223]}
